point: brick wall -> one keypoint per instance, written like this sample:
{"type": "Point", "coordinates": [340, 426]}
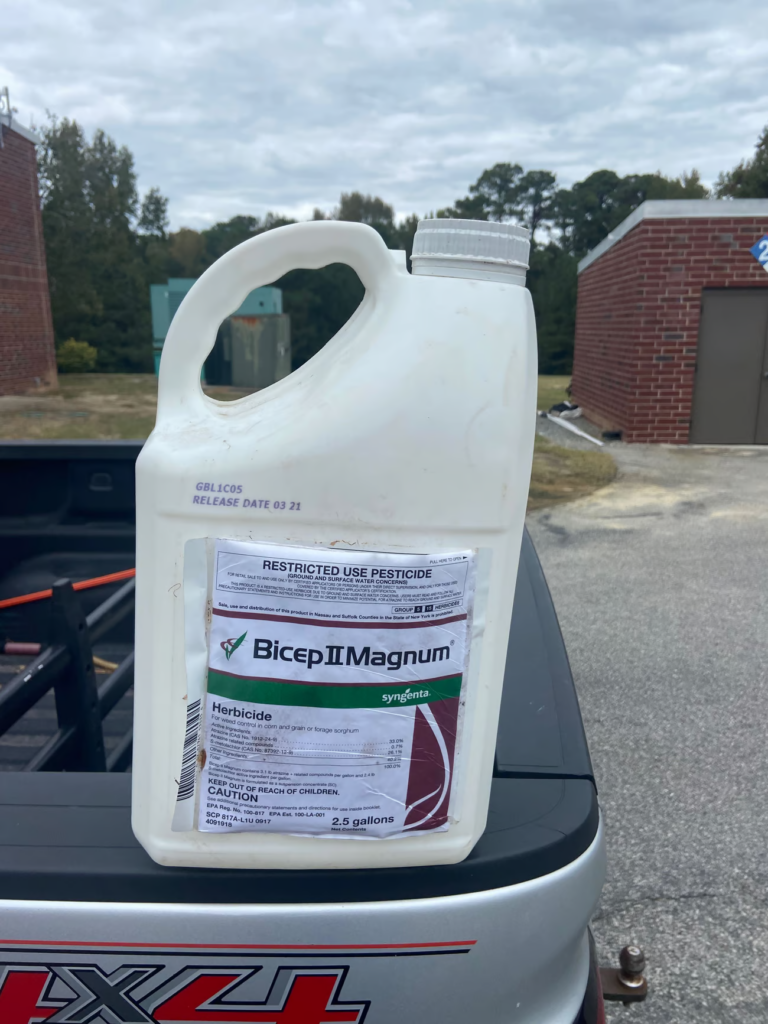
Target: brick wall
{"type": "Point", "coordinates": [27, 355]}
{"type": "Point", "coordinates": [637, 320]}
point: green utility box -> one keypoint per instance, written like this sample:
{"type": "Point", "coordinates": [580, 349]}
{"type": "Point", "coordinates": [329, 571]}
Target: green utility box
{"type": "Point", "coordinates": [253, 346]}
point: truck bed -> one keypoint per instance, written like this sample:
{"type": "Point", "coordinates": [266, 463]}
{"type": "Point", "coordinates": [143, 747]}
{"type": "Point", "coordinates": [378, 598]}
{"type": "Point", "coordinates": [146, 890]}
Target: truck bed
{"type": "Point", "coordinates": [67, 510]}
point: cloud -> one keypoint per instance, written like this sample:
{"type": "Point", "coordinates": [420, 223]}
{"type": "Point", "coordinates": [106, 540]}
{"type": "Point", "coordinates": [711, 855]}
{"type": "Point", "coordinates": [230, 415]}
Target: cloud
{"type": "Point", "coordinates": [244, 107]}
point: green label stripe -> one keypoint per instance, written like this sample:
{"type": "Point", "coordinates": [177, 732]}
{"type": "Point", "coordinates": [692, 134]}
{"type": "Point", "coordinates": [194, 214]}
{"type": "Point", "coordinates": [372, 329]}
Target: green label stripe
{"type": "Point", "coordinates": [330, 695]}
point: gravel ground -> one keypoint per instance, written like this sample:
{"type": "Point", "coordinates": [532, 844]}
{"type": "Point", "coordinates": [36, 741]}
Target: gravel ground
{"type": "Point", "coordinates": [661, 584]}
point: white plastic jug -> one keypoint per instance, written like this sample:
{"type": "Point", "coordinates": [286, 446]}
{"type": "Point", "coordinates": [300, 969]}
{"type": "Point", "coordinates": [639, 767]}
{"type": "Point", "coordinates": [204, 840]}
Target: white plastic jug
{"type": "Point", "coordinates": [326, 569]}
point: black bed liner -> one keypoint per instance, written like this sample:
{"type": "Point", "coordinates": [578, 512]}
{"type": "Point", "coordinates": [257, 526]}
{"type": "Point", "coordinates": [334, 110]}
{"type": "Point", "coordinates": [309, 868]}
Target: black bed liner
{"type": "Point", "coordinates": [67, 836]}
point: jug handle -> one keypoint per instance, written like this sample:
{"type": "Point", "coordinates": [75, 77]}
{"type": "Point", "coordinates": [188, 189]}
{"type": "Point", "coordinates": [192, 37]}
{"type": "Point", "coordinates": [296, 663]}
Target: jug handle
{"type": "Point", "coordinates": [224, 286]}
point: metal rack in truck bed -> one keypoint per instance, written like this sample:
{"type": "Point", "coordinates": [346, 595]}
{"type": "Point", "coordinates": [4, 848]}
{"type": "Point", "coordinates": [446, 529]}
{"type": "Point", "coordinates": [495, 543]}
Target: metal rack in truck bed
{"type": "Point", "coordinates": [91, 929]}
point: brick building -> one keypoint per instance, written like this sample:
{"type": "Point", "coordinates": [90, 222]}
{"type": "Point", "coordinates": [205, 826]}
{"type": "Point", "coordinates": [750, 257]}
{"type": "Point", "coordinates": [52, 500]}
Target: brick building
{"type": "Point", "coordinates": [27, 355]}
{"type": "Point", "coordinates": [672, 325]}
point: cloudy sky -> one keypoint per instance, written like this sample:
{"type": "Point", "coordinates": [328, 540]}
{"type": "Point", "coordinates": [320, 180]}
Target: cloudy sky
{"type": "Point", "coordinates": [244, 106]}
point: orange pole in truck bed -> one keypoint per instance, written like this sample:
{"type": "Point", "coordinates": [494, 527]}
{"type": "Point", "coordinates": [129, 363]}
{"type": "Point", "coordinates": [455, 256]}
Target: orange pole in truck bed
{"type": "Point", "coordinates": [97, 581]}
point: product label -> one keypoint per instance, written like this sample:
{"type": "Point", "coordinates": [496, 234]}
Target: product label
{"type": "Point", "coordinates": [335, 690]}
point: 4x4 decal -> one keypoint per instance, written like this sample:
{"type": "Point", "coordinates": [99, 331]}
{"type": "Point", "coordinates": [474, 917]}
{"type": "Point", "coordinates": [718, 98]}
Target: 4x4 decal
{"type": "Point", "coordinates": [297, 995]}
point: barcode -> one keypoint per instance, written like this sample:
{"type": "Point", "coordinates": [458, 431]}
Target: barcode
{"type": "Point", "coordinates": [189, 754]}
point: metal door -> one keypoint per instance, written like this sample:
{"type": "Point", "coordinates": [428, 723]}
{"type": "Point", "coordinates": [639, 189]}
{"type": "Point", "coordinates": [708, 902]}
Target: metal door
{"type": "Point", "coordinates": [730, 401]}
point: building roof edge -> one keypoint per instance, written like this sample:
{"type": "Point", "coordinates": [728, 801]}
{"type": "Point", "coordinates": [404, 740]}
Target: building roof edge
{"type": "Point", "coordinates": [676, 209]}
{"type": "Point", "coordinates": [10, 122]}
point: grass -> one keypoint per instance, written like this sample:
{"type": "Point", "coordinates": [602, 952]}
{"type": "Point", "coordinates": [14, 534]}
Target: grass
{"type": "Point", "coordinates": [134, 386]}
{"type": "Point", "coordinates": [120, 406]}
{"type": "Point", "coordinates": [102, 406]}
{"type": "Point", "coordinates": [564, 474]}
{"type": "Point", "coordinates": [552, 391]}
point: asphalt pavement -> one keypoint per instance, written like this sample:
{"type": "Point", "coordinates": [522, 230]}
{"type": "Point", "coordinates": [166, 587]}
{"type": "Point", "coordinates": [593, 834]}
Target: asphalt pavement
{"type": "Point", "coordinates": [661, 585]}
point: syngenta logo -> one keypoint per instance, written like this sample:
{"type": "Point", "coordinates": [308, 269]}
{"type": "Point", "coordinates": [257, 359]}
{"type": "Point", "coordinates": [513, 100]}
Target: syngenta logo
{"type": "Point", "coordinates": [230, 646]}
{"type": "Point", "coordinates": [336, 654]}
{"type": "Point", "coordinates": [81, 993]}
{"type": "Point", "coordinates": [405, 696]}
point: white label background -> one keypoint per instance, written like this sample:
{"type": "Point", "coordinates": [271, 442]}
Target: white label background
{"type": "Point", "coordinates": [261, 754]}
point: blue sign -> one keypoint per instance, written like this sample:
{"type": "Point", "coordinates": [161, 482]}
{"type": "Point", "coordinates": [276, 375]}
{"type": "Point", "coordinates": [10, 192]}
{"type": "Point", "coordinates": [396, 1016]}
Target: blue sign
{"type": "Point", "coordinates": [760, 251]}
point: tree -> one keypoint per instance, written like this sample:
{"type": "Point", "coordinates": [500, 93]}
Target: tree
{"type": "Point", "coordinates": [405, 232]}
{"type": "Point", "coordinates": [110, 183]}
{"type": "Point", "coordinates": [362, 209]}
{"type": "Point", "coordinates": [587, 212]}
{"type": "Point", "coordinates": [499, 191]}
{"type": "Point", "coordinates": [507, 193]}
{"type": "Point", "coordinates": [552, 282]}
{"type": "Point", "coordinates": [468, 208]}
{"type": "Point", "coordinates": [592, 208]}
{"type": "Point", "coordinates": [749, 178]}
{"type": "Point", "coordinates": [225, 235]}
{"type": "Point", "coordinates": [492, 197]}
{"type": "Point", "coordinates": [153, 236]}
{"type": "Point", "coordinates": [371, 210]}
{"type": "Point", "coordinates": [535, 196]}
{"type": "Point", "coordinates": [96, 265]}
{"type": "Point", "coordinates": [67, 227]}
{"type": "Point", "coordinates": [186, 253]}
{"type": "Point", "coordinates": [153, 219]}
{"type": "Point", "coordinates": [191, 252]}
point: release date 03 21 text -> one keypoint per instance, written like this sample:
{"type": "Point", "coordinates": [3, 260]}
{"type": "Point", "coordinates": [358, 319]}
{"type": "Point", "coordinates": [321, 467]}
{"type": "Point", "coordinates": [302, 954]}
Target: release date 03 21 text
{"type": "Point", "coordinates": [229, 495]}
